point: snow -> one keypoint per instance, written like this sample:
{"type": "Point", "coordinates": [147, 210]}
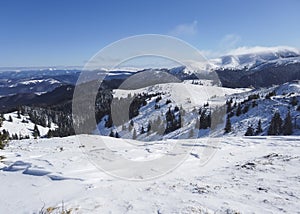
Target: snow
{"type": "Point", "coordinates": [186, 95]}
{"type": "Point", "coordinates": [35, 81]}
{"type": "Point", "coordinates": [246, 175]}
{"type": "Point", "coordinates": [18, 127]}
{"type": "Point", "coordinates": [257, 57]}
{"type": "Point", "coordinates": [266, 108]}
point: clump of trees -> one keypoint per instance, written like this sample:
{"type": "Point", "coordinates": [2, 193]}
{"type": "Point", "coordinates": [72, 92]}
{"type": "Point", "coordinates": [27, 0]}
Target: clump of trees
{"type": "Point", "coordinates": [4, 137]}
{"type": "Point", "coordinates": [173, 119]}
{"type": "Point", "coordinates": [279, 126]}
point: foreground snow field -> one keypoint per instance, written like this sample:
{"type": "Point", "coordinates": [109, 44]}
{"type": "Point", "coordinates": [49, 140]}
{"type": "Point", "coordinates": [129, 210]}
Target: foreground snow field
{"type": "Point", "coordinates": [245, 175]}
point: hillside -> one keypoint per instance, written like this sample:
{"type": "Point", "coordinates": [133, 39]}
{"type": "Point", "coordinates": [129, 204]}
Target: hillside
{"type": "Point", "coordinates": [23, 126]}
{"type": "Point", "coordinates": [187, 97]}
{"type": "Point", "coordinates": [262, 105]}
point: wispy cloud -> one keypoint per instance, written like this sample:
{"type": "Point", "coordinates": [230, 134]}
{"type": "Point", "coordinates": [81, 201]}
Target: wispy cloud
{"type": "Point", "coordinates": [226, 44]}
{"type": "Point", "coordinates": [259, 49]}
{"type": "Point", "coordinates": [187, 29]}
{"type": "Point", "coordinates": [229, 41]}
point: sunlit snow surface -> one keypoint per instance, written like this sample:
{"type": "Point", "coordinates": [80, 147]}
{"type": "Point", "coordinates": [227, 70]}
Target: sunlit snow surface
{"type": "Point", "coordinates": [254, 174]}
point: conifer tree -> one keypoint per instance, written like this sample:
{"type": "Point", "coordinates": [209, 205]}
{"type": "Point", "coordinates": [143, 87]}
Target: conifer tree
{"type": "Point", "coordinates": [287, 128]}
{"type": "Point", "coordinates": [275, 126]}
{"type": "Point", "coordinates": [19, 115]}
{"type": "Point", "coordinates": [238, 110]}
{"type": "Point", "coordinates": [249, 131]}
{"type": "Point", "coordinates": [142, 130]}
{"type": "Point", "coordinates": [134, 134]}
{"type": "Point", "coordinates": [227, 128]}
{"type": "Point", "coordinates": [36, 132]}
{"type": "Point", "coordinates": [149, 127]}
{"type": "Point", "coordinates": [111, 134]}
{"type": "Point", "coordinates": [49, 133]}
{"type": "Point", "coordinates": [258, 128]}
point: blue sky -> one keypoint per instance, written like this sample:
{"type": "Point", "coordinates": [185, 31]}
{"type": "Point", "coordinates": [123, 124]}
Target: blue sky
{"type": "Point", "coordinates": [61, 32]}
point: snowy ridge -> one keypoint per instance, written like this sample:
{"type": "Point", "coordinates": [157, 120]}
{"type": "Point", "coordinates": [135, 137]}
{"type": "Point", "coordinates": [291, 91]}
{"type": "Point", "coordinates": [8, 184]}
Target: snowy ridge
{"type": "Point", "coordinates": [254, 58]}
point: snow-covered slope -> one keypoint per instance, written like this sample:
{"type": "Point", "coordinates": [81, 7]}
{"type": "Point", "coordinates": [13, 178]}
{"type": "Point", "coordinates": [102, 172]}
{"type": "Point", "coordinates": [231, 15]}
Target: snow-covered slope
{"type": "Point", "coordinates": [246, 175]}
{"type": "Point", "coordinates": [188, 97]}
{"type": "Point", "coordinates": [22, 126]}
{"type": "Point", "coordinates": [263, 108]}
{"type": "Point", "coordinates": [257, 57]}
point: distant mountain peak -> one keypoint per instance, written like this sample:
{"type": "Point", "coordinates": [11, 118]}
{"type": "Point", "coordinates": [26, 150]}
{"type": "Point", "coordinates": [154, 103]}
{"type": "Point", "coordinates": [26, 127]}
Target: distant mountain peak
{"type": "Point", "coordinates": [255, 57]}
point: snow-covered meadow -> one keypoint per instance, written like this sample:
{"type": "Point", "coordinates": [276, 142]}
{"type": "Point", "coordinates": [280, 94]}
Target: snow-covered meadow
{"type": "Point", "coordinates": [245, 175]}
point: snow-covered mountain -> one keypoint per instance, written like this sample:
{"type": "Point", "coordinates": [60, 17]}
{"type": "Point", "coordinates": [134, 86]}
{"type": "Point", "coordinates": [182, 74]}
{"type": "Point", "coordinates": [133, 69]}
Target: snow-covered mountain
{"type": "Point", "coordinates": [257, 57]}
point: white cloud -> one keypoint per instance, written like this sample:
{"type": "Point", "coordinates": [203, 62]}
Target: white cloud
{"type": "Point", "coordinates": [187, 29]}
{"type": "Point", "coordinates": [260, 49]}
{"type": "Point", "coordinates": [229, 41]}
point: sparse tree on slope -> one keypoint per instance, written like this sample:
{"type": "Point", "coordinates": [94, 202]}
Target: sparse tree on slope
{"type": "Point", "coordinates": [249, 131]}
{"type": "Point", "coordinates": [134, 134]}
{"type": "Point", "coordinates": [275, 126]}
{"type": "Point", "coordinates": [36, 132]}
{"type": "Point", "coordinates": [227, 128]}
{"type": "Point", "coordinates": [287, 127]}
{"type": "Point", "coordinates": [259, 128]}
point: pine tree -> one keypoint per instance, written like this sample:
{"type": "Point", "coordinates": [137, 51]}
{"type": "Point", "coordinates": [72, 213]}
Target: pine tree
{"type": "Point", "coordinates": [36, 132]}
{"type": "Point", "coordinates": [249, 131]}
{"type": "Point", "coordinates": [227, 128]}
{"type": "Point", "coordinates": [19, 115]}
{"type": "Point", "coordinates": [191, 133]}
{"type": "Point", "coordinates": [258, 128]}
{"type": "Point", "coordinates": [228, 103]}
{"type": "Point", "coordinates": [275, 126]}
{"type": "Point", "coordinates": [142, 130]}
{"type": "Point", "coordinates": [238, 110]}
{"type": "Point", "coordinates": [197, 124]}
{"type": "Point", "coordinates": [245, 109]}
{"type": "Point", "coordinates": [49, 133]}
{"type": "Point", "coordinates": [112, 134]}
{"type": "Point", "coordinates": [134, 134]}
{"type": "Point", "coordinates": [149, 127]}
{"type": "Point", "coordinates": [117, 135]}
{"type": "Point", "coordinates": [3, 139]}
{"type": "Point", "coordinates": [287, 127]}
{"type": "Point", "coordinates": [254, 103]}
